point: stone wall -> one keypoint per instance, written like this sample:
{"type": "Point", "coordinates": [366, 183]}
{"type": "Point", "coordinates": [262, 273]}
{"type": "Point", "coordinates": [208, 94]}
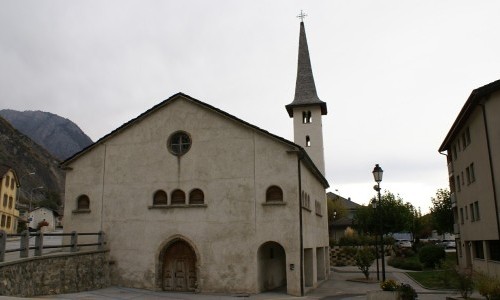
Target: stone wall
{"type": "Point", "coordinates": [55, 274]}
{"type": "Point", "coordinates": [345, 255]}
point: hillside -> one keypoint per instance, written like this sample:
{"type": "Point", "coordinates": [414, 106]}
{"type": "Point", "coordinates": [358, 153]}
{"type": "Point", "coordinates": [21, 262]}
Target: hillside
{"type": "Point", "coordinates": [21, 153]}
{"type": "Point", "coordinates": [60, 136]}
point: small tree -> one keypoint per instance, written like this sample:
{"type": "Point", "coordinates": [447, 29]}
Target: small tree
{"type": "Point", "coordinates": [431, 255]}
{"type": "Point", "coordinates": [441, 211]}
{"type": "Point", "coordinates": [364, 259]}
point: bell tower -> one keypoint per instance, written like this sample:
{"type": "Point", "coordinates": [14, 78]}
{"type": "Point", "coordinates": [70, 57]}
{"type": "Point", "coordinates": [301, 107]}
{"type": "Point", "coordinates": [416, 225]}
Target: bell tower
{"type": "Point", "coordinates": [306, 108]}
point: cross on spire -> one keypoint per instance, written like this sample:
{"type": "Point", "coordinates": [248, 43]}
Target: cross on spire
{"type": "Point", "coordinates": [302, 15]}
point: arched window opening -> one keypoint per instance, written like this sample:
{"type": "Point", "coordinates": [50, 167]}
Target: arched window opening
{"type": "Point", "coordinates": [308, 141]}
{"type": "Point", "coordinates": [178, 197]}
{"type": "Point", "coordinates": [83, 202]}
{"type": "Point", "coordinates": [306, 117]}
{"type": "Point", "coordinates": [274, 193]}
{"type": "Point", "coordinates": [196, 197]}
{"type": "Point", "coordinates": [160, 198]}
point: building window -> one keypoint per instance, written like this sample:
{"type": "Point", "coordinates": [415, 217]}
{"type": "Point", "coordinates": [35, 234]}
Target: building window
{"type": "Point", "coordinates": [472, 175]}
{"type": "Point", "coordinates": [11, 202]}
{"type": "Point", "coordinates": [2, 223]}
{"type": "Point", "coordinates": [8, 222]}
{"type": "Point", "coordinates": [7, 179]}
{"type": "Point", "coordinates": [454, 152]}
{"type": "Point", "coordinates": [467, 137]}
{"type": "Point", "coordinates": [458, 183]}
{"type": "Point", "coordinates": [12, 183]}
{"type": "Point", "coordinates": [160, 198]}
{"type": "Point", "coordinates": [274, 193]}
{"type": "Point", "coordinates": [463, 178]}
{"type": "Point", "coordinates": [5, 200]}
{"type": "Point", "coordinates": [306, 117]}
{"type": "Point", "coordinates": [178, 197]}
{"type": "Point", "coordinates": [478, 249]}
{"type": "Point", "coordinates": [494, 250]}
{"type": "Point", "coordinates": [461, 215]}
{"type": "Point", "coordinates": [179, 143]}
{"type": "Point", "coordinates": [467, 172]}
{"type": "Point", "coordinates": [476, 211]}
{"type": "Point", "coordinates": [317, 206]}
{"type": "Point", "coordinates": [83, 202]}
{"type": "Point", "coordinates": [466, 213]}
{"type": "Point", "coordinates": [196, 196]}
{"type": "Point", "coordinates": [308, 141]}
{"type": "Point", "coordinates": [472, 214]}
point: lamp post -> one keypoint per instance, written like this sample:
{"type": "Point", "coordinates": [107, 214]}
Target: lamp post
{"type": "Point", "coordinates": [334, 229]}
{"type": "Point", "coordinates": [18, 194]}
{"type": "Point", "coordinates": [374, 205]}
{"type": "Point", "coordinates": [377, 175]}
{"type": "Point", "coordinates": [31, 195]}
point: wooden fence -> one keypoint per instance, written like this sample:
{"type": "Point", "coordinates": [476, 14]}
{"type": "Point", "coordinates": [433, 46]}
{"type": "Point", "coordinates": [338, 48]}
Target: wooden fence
{"type": "Point", "coordinates": [25, 247]}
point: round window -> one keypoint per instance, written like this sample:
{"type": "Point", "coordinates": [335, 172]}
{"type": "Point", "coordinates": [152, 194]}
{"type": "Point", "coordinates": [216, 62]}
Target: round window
{"type": "Point", "coordinates": [179, 143]}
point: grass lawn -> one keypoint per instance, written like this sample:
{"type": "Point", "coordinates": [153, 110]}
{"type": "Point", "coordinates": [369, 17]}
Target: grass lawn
{"type": "Point", "coordinates": [440, 278]}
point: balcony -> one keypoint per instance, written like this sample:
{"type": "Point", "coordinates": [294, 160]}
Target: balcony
{"type": "Point", "coordinates": [453, 200]}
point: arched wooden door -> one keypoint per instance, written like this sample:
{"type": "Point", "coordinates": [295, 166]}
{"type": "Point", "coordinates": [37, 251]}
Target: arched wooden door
{"type": "Point", "coordinates": [179, 267]}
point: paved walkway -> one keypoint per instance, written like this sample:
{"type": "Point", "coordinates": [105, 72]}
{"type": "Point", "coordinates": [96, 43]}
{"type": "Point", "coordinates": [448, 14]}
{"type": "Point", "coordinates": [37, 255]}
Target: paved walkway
{"type": "Point", "coordinates": [340, 285]}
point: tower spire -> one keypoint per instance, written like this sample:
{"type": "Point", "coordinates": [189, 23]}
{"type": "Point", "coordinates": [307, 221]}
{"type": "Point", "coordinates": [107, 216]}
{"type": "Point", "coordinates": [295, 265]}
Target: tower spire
{"type": "Point", "coordinates": [305, 89]}
{"type": "Point", "coordinates": [306, 108]}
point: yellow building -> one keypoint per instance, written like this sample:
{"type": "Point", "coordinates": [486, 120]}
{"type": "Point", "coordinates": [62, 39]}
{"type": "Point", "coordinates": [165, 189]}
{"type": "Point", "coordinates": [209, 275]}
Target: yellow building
{"type": "Point", "coordinates": [8, 192]}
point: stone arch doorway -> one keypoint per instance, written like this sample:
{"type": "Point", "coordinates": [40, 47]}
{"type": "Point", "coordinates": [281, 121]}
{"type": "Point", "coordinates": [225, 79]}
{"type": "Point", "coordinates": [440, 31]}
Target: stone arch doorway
{"type": "Point", "coordinates": [272, 266]}
{"type": "Point", "coordinates": [179, 267]}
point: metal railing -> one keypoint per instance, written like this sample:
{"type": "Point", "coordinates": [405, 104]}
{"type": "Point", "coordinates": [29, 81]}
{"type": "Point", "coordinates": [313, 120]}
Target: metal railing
{"type": "Point", "coordinates": [25, 247]}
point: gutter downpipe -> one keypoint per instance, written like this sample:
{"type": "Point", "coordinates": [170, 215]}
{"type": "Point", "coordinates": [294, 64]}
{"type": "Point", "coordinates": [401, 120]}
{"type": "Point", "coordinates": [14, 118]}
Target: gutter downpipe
{"type": "Point", "coordinates": [299, 159]}
{"type": "Point", "coordinates": [491, 168]}
{"type": "Point", "coordinates": [301, 237]}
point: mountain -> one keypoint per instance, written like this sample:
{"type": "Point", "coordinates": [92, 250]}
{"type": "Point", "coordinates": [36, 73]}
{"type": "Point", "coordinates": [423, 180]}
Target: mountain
{"type": "Point", "coordinates": [25, 156]}
{"type": "Point", "coordinates": [60, 136]}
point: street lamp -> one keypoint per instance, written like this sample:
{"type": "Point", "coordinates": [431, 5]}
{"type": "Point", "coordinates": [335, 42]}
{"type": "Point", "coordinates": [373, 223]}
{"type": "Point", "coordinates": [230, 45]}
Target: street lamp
{"type": "Point", "coordinates": [374, 205]}
{"type": "Point", "coordinates": [377, 175]}
{"type": "Point", "coordinates": [31, 195]}
{"type": "Point", "coordinates": [19, 185]}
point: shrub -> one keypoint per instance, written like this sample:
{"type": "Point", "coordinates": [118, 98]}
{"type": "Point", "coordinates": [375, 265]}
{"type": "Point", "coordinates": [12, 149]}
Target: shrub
{"type": "Point", "coordinates": [406, 292]}
{"type": "Point", "coordinates": [487, 286]}
{"type": "Point", "coordinates": [431, 256]}
{"type": "Point", "coordinates": [364, 259]}
{"type": "Point", "coordinates": [405, 264]}
{"type": "Point", "coordinates": [389, 285]}
{"type": "Point", "coordinates": [465, 283]}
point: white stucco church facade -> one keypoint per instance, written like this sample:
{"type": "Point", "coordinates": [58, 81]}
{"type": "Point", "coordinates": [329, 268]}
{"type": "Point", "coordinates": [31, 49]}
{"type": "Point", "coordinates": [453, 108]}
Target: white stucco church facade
{"type": "Point", "coordinates": [192, 198]}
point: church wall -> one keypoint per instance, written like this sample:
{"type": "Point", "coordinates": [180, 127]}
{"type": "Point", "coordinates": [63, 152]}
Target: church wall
{"type": "Point", "coordinates": [232, 164]}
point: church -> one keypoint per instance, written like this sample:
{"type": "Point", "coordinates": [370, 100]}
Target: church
{"type": "Point", "coordinates": [192, 198]}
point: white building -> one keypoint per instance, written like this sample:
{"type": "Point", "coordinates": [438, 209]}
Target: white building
{"type": "Point", "coordinates": [193, 198]}
{"type": "Point", "coordinates": [39, 215]}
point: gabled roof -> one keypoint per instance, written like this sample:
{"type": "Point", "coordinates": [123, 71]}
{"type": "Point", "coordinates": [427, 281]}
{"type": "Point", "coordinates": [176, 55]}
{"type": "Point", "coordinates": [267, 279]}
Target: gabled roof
{"type": "Point", "coordinates": [3, 171]}
{"type": "Point", "coordinates": [347, 203]}
{"type": "Point", "coordinates": [474, 99]}
{"type": "Point", "coordinates": [305, 89]}
{"type": "Point", "coordinates": [302, 153]}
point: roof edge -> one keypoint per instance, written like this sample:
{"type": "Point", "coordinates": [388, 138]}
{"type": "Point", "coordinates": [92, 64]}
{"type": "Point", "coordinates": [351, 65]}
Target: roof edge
{"type": "Point", "coordinates": [474, 98]}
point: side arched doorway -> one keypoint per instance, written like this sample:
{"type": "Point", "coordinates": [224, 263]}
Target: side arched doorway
{"type": "Point", "coordinates": [179, 267]}
{"type": "Point", "coordinates": [272, 266]}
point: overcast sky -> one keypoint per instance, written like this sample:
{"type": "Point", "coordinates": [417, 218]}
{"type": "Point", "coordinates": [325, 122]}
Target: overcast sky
{"type": "Point", "coordinates": [394, 74]}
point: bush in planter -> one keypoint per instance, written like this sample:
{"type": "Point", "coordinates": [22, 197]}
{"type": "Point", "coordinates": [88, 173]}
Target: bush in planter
{"type": "Point", "coordinates": [431, 255]}
{"type": "Point", "coordinates": [389, 285]}
{"type": "Point", "coordinates": [487, 286]}
{"type": "Point", "coordinates": [364, 259]}
{"type": "Point", "coordinates": [406, 292]}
